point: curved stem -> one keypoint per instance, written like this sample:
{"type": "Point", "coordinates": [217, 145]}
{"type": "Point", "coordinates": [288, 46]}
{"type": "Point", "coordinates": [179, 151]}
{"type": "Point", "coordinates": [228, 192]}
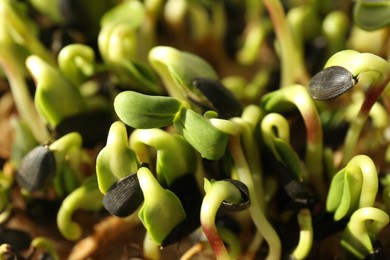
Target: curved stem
{"type": "Point", "coordinates": [370, 180]}
{"type": "Point", "coordinates": [306, 235]}
{"type": "Point", "coordinates": [15, 75]}
{"type": "Point", "coordinates": [216, 193]}
{"type": "Point", "coordinates": [256, 211]}
{"type": "Point", "coordinates": [293, 70]}
{"type": "Point", "coordinates": [356, 127]}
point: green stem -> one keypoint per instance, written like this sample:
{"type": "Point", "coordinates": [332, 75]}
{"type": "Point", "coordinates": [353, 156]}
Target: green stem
{"type": "Point", "coordinates": [292, 66]}
{"type": "Point", "coordinates": [256, 211]}
{"type": "Point", "coordinates": [21, 95]}
{"type": "Point", "coordinates": [11, 20]}
{"type": "Point", "coordinates": [216, 193]}
{"type": "Point", "coordinates": [306, 235]}
{"type": "Point", "coordinates": [357, 124]}
{"type": "Point", "coordinates": [46, 245]}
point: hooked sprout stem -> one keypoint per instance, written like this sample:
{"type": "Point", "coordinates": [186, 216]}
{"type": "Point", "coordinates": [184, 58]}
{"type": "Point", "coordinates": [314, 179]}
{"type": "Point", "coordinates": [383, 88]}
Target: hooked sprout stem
{"type": "Point", "coordinates": [292, 66]}
{"type": "Point", "coordinates": [305, 236]}
{"type": "Point", "coordinates": [88, 197]}
{"type": "Point", "coordinates": [216, 193]}
{"type": "Point", "coordinates": [256, 211]}
{"type": "Point", "coordinates": [356, 127]}
{"type": "Point", "coordinates": [363, 226]}
{"type": "Point", "coordinates": [46, 245]}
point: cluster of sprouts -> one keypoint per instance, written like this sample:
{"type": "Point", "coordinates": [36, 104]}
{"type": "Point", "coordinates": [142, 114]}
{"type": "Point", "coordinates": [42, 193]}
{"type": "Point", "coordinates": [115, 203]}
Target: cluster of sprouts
{"type": "Point", "coordinates": [250, 129]}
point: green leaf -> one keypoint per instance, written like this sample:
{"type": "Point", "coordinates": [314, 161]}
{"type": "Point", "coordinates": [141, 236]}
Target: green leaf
{"type": "Point", "coordinates": [335, 191]}
{"type": "Point", "coordinates": [144, 111]}
{"type": "Point", "coordinates": [116, 160]}
{"type": "Point", "coordinates": [289, 157]}
{"type": "Point", "coordinates": [178, 70]}
{"type": "Point", "coordinates": [209, 141]}
{"type": "Point", "coordinates": [162, 209]}
{"type": "Point", "coordinates": [351, 193]}
{"type": "Point", "coordinates": [372, 15]}
{"type": "Point", "coordinates": [56, 98]}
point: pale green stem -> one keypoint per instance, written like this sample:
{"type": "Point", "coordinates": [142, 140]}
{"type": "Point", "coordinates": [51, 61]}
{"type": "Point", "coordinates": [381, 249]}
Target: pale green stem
{"type": "Point", "coordinates": [252, 153]}
{"type": "Point", "coordinates": [305, 236]}
{"type": "Point", "coordinates": [88, 197]}
{"type": "Point", "coordinates": [30, 42]}
{"type": "Point", "coordinates": [358, 123]}
{"type": "Point", "coordinates": [370, 180]}
{"type": "Point", "coordinates": [21, 95]}
{"type": "Point", "coordinates": [254, 246]}
{"type": "Point", "coordinates": [256, 211]}
{"type": "Point", "coordinates": [151, 249]}
{"type": "Point", "coordinates": [292, 65]}
{"type": "Point", "coordinates": [46, 245]}
{"type": "Point", "coordinates": [76, 61]}
{"type": "Point", "coordinates": [216, 193]}
{"type": "Point", "coordinates": [364, 223]}
{"type": "Point", "coordinates": [232, 241]}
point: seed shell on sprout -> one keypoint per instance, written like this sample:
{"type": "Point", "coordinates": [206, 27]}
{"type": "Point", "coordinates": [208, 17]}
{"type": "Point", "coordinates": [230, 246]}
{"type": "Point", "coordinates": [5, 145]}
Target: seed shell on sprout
{"type": "Point", "coordinates": [245, 194]}
{"type": "Point", "coordinates": [124, 197]}
{"type": "Point", "coordinates": [219, 96]}
{"type": "Point", "coordinates": [187, 190]}
{"type": "Point", "coordinates": [18, 239]}
{"type": "Point", "coordinates": [331, 83]}
{"type": "Point", "coordinates": [37, 169]}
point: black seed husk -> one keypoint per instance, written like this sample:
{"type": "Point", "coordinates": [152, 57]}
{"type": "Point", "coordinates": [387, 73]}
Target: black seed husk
{"type": "Point", "coordinates": [36, 169]}
{"type": "Point", "coordinates": [245, 195]}
{"type": "Point", "coordinates": [330, 83]}
{"type": "Point", "coordinates": [17, 239]}
{"type": "Point", "coordinates": [187, 190]}
{"type": "Point", "coordinates": [124, 197]}
{"type": "Point", "coordinates": [220, 97]}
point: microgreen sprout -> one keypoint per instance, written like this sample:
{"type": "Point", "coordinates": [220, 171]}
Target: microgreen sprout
{"type": "Point", "coordinates": [68, 156]}
{"type": "Point", "coordinates": [257, 28]}
{"type": "Point", "coordinates": [116, 160]}
{"type": "Point", "coordinates": [148, 111]}
{"type": "Point", "coordinates": [45, 245]}
{"type": "Point", "coordinates": [161, 210]}
{"type": "Point", "coordinates": [289, 51]}
{"type": "Point", "coordinates": [371, 15]}
{"type": "Point", "coordinates": [359, 238]}
{"type": "Point", "coordinates": [287, 165]}
{"type": "Point", "coordinates": [56, 97]}
{"type": "Point", "coordinates": [178, 69]}
{"type": "Point", "coordinates": [305, 236]}
{"type": "Point", "coordinates": [252, 182]}
{"type": "Point", "coordinates": [370, 71]}
{"type": "Point", "coordinates": [86, 197]}
{"type": "Point", "coordinates": [298, 96]}
{"type": "Point", "coordinates": [12, 58]}
{"type": "Point", "coordinates": [6, 206]}
{"type": "Point", "coordinates": [77, 62]}
{"type": "Point", "coordinates": [124, 44]}
{"type": "Point", "coordinates": [169, 147]}
{"type": "Point", "coordinates": [353, 187]}
{"type": "Point", "coordinates": [218, 192]}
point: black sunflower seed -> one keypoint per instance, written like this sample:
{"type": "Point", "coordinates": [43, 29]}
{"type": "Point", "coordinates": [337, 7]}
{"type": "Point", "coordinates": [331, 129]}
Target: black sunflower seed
{"type": "Point", "coordinates": [222, 100]}
{"type": "Point", "coordinates": [244, 193]}
{"type": "Point", "coordinates": [331, 82]}
{"type": "Point", "coordinates": [187, 190]}
{"type": "Point", "coordinates": [124, 197]}
{"type": "Point", "coordinates": [17, 239]}
{"type": "Point", "coordinates": [36, 169]}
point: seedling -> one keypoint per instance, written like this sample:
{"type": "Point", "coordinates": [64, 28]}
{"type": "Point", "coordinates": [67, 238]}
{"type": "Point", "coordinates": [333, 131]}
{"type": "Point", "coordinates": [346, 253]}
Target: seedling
{"type": "Point", "coordinates": [233, 195]}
